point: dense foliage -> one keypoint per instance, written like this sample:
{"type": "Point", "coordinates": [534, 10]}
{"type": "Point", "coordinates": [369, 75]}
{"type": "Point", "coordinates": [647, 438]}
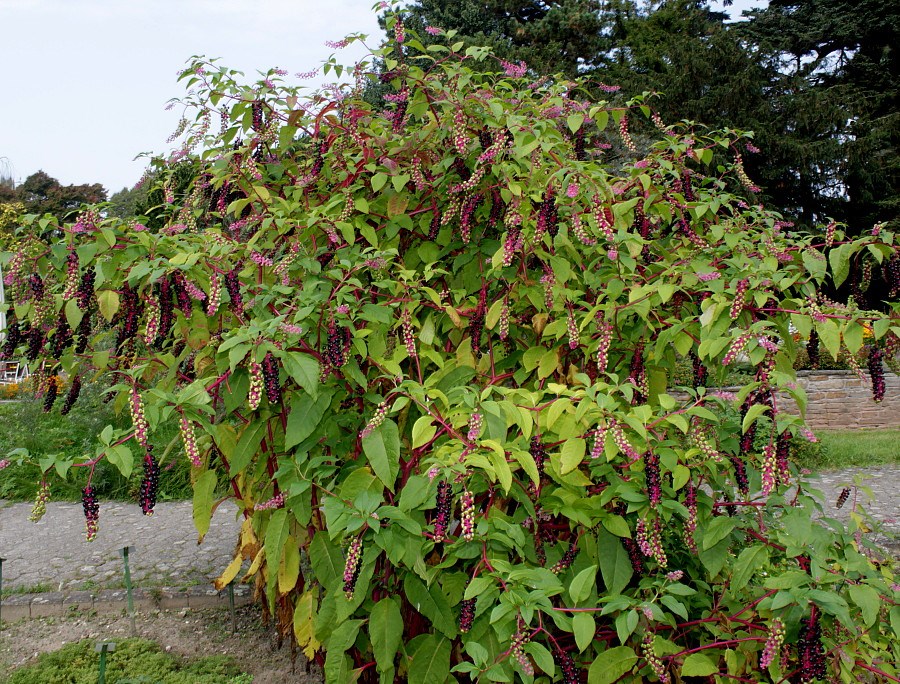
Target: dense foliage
{"type": "Point", "coordinates": [431, 349]}
{"type": "Point", "coordinates": [816, 81]}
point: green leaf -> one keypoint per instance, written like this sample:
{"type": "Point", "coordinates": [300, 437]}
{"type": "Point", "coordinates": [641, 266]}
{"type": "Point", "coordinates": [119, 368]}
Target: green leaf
{"type": "Point", "coordinates": [122, 458]}
{"type": "Point", "coordinates": [754, 412]}
{"type": "Point", "coordinates": [582, 584]}
{"type": "Point", "coordinates": [572, 454]}
{"type": "Point", "coordinates": [431, 603]}
{"type": "Point", "coordinates": [584, 628]}
{"type": "Point", "coordinates": [378, 181]}
{"type": "Point", "coordinates": [548, 364]}
{"type": "Point", "coordinates": [853, 337]}
{"type": "Point", "coordinates": [839, 258]}
{"type": "Point", "coordinates": [276, 536]}
{"type": "Point", "coordinates": [717, 530]}
{"type": "Point", "coordinates": [341, 639]}
{"type": "Point", "coordinates": [204, 487]}
{"type": "Point", "coordinates": [385, 632]}
{"type": "Point", "coordinates": [868, 601]}
{"type": "Point", "coordinates": [382, 449]}
{"type": "Point", "coordinates": [830, 334]}
{"type": "Point", "coordinates": [698, 665]}
{"type": "Point", "coordinates": [714, 558]}
{"type": "Point", "coordinates": [617, 525]}
{"type": "Point", "coordinates": [247, 445]}
{"type": "Point", "coordinates": [423, 431]}
{"type": "Point", "coordinates": [108, 300]}
{"type": "Point", "coordinates": [615, 566]}
{"type": "Point", "coordinates": [303, 369]}
{"type": "Point", "coordinates": [327, 560]}
{"type": "Point", "coordinates": [305, 416]}
{"type": "Point", "coordinates": [611, 664]}
{"type": "Point", "coordinates": [574, 121]}
{"type": "Point", "coordinates": [748, 562]}
{"type": "Point", "coordinates": [431, 662]}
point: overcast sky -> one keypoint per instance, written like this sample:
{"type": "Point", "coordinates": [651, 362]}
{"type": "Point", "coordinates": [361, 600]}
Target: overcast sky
{"type": "Point", "coordinates": [84, 83]}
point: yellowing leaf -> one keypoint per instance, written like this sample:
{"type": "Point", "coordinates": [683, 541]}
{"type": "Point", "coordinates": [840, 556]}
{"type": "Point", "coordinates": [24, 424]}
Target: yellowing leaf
{"type": "Point", "coordinates": [234, 567]}
{"type": "Point", "coordinates": [304, 625]}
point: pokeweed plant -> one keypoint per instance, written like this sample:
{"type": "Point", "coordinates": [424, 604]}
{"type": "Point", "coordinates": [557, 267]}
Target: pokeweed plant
{"type": "Point", "coordinates": [430, 349]}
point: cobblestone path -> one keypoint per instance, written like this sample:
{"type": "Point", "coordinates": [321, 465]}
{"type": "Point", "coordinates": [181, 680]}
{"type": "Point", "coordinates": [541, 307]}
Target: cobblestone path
{"type": "Point", "coordinates": [52, 554]}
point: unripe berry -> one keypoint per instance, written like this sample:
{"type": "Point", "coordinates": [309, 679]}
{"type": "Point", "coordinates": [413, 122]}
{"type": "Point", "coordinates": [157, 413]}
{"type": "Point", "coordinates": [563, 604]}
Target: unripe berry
{"type": "Point", "coordinates": [189, 439]}
{"type": "Point", "coordinates": [40, 502]}
{"type": "Point", "coordinates": [254, 393]}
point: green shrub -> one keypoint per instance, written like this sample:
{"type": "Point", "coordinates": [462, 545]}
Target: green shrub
{"type": "Point", "coordinates": [431, 349]}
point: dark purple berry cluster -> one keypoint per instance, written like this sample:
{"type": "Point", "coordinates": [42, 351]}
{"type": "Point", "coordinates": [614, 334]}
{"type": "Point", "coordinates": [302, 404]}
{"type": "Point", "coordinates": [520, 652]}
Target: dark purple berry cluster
{"type": "Point", "coordinates": [72, 395]}
{"type": "Point", "coordinates": [270, 378]}
{"type": "Point", "coordinates": [35, 343]}
{"type": "Point", "coordinates": [84, 296]}
{"type": "Point", "coordinates": [91, 512]}
{"type": "Point", "coordinates": [876, 373]}
{"type": "Point", "coordinates": [740, 475]}
{"type": "Point", "coordinates": [51, 391]}
{"type": "Point", "coordinates": [892, 274]}
{"type": "Point", "coordinates": [129, 315]}
{"type": "Point", "coordinates": [435, 226]}
{"type": "Point", "coordinates": [62, 337]}
{"type": "Point", "coordinates": [257, 115]}
{"type": "Point", "coordinates": [651, 475]}
{"type": "Point", "coordinates": [539, 454]}
{"type": "Point", "coordinates": [810, 652]}
{"type": "Point", "coordinates": [166, 310]}
{"type": "Point", "coordinates": [812, 349]}
{"type": "Point", "coordinates": [442, 517]}
{"type": "Point", "coordinates": [13, 338]}
{"type": "Point", "coordinates": [149, 484]}
{"type": "Point", "coordinates": [634, 555]}
{"type": "Point", "coordinates": [566, 665]}
{"type": "Point", "coordinates": [842, 497]}
{"type": "Point", "coordinates": [337, 345]}
{"type": "Point", "coordinates": [233, 287]}
{"type": "Point", "coordinates": [548, 216]}
{"type": "Point", "coordinates": [182, 297]}
{"type": "Point", "coordinates": [567, 558]}
{"type": "Point", "coordinates": [476, 327]}
{"type": "Point", "coordinates": [700, 371]}
{"type": "Point", "coordinates": [83, 333]}
{"type": "Point", "coordinates": [783, 456]}
{"type": "Point", "coordinates": [466, 614]}
{"type": "Point", "coordinates": [579, 146]}
{"type": "Point", "coordinates": [36, 285]}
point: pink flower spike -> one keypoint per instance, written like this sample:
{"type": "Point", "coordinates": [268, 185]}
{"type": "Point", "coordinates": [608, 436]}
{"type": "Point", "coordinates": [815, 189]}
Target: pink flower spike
{"type": "Point", "coordinates": [572, 190]}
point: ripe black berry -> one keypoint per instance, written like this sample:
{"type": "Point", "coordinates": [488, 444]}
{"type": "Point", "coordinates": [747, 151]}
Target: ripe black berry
{"type": "Point", "coordinates": [270, 378]}
{"type": "Point", "coordinates": [72, 395]}
{"type": "Point", "coordinates": [85, 294]}
{"type": "Point", "coordinates": [233, 287]}
{"type": "Point", "coordinates": [91, 512]}
{"type": "Point", "coordinates": [51, 392]}
{"type": "Point", "coordinates": [149, 484]}
{"type": "Point", "coordinates": [442, 518]}
{"type": "Point", "coordinates": [842, 497]}
{"type": "Point", "coordinates": [466, 614]}
{"type": "Point", "coordinates": [876, 373]}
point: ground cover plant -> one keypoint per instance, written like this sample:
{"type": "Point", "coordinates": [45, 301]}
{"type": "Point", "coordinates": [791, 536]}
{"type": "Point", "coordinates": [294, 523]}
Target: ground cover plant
{"type": "Point", "coordinates": [431, 350]}
{"type": "Point", "coordinates": [134, 661]}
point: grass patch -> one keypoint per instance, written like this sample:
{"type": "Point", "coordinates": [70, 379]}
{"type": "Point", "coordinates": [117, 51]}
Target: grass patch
{"type": "Point", "coordinates": [837, 449]}
{"type": "Point", "coordinates": [135, 661]}
{"type": "Point", "coordinates": [74, 436]}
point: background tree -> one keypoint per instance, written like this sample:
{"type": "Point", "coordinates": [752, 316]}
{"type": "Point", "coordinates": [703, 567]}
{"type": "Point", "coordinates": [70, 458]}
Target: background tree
{"type": "Point", "coordinates": [43, 194]}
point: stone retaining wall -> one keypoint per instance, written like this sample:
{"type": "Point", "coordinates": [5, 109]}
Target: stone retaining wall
{"type": "Point", "coordinates": [839, 400]}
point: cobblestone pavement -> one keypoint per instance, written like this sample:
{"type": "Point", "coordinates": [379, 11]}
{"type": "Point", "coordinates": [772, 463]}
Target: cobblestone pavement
{"type": "Point", "coordinates": [53, 555]}
{"type": "Point", "coordinates": [876, 489]}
